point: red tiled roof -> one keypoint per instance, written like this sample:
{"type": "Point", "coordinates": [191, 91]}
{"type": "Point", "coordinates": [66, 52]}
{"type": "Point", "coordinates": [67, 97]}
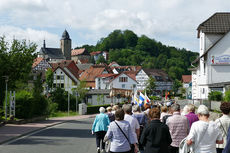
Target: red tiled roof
{"type": "Point", "coordinates": [113, 63]}
{"type": "Point", "coordinates": [37, 61]}
{"type": "Point", "coordinates": [91, 73]}
{"type": "Point", "coordinates": [131, 74]}
{"type": "Point", "coordinates": [69, 64]}
{"type": "Point", "coordinates": [186, 78]}
{"type": "Point", "coordinates": [78, 51]}
{"type": "Point", "coordinates": [106, 75]}
{"type": "Point", "coordinates": [83, 61]}
{"type": "Point", "coordinates": [95, 53]}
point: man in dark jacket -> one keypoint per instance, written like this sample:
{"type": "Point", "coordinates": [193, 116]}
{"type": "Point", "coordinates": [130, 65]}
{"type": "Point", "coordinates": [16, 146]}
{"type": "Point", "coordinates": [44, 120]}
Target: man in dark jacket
{"type": "Point", "coordinates": [156, 136]}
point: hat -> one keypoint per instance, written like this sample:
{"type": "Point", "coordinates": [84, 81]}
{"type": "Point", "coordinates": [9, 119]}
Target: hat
{"type": "Point", "coordinates": [202, 109]}
{"type": "Point", "coordinates": [168, 104]}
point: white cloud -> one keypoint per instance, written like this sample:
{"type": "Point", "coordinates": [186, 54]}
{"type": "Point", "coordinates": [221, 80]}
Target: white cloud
{"type": "Point", "coordinates": [169, 21]}
{"type": "Point", "coordinates": [32, 35]}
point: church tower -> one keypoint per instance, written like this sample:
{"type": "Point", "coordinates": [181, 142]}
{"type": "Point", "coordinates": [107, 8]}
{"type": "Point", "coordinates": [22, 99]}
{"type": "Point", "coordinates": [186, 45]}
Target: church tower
{"type": "Point", "coordinates": [66, 45]}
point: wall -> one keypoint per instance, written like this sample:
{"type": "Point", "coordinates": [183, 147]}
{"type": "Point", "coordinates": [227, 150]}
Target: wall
{"type": "Point", "coordinates": [141, 78]}
{"type": "Point", "coordinates": [128, 85]}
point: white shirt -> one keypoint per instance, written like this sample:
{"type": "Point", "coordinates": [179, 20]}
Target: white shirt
{"type": "Point", "coordinates": [223, 124]}
{"type": "Point", "coordinates": [134, 125]}
{"type": "Point", "coordinates": [206, 134]}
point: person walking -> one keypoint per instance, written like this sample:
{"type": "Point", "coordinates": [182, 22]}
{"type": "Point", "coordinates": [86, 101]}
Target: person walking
{"type": "Point", "coordinates": [191, 116]}
{"type": "Point", "coordinates": [110, 114]}
{"type": "Point", "coordinates": [223, 124]}
{"type": "Point", "coordinates": [135, 127]}
{"type": "Point", "coordinates": [156, 136]}
{"type": "Point", "coordinates": [204, 134]}
{"type": "Point", "coordinates": [120, 134]}
{"type": "Point", "coordinates": [227, 146]}
{"type": "Point", "coordinates": [100, 127]}
{"type": "Point", "coordinates": [178, 127]}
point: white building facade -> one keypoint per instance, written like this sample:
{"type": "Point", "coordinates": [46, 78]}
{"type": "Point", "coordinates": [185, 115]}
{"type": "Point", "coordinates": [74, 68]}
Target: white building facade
{"type": "Point", "coordinates": [213, 64]}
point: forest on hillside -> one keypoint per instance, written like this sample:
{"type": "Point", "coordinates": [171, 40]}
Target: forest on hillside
{"type": "Point", "coordinates": [126, 48]}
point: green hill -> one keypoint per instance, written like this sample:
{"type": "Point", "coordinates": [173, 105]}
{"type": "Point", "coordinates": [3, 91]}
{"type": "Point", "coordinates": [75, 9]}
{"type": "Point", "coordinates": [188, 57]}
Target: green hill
{"type": "Point", "coordinates": [126, 48]}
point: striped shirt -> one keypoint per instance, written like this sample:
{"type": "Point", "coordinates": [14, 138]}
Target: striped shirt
{"type": "Point", "coordinates": [178, 127]}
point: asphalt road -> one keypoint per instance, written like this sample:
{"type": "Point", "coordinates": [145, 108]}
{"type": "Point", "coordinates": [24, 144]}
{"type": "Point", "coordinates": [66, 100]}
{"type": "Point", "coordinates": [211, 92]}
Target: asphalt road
{"type": "Point", "coordinates": [69, 137]}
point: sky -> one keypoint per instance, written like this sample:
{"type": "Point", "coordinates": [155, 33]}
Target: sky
{"type": "Point", "coordinates": [172, 22]}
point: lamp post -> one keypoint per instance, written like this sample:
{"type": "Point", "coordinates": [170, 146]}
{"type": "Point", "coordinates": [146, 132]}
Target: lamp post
{"type": "Point", "coordinates": [6, 80]}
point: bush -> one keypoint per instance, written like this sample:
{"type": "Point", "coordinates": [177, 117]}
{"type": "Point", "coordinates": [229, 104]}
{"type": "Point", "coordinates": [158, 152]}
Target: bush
{"type": "Point", "coordinates": [95, 109]}
{"type": "Point", "coordinates": [215, 95]}
{"type": "Point", "coordinates": [227, 96]}
{"type": "Point", "coordinates": [29, 106]}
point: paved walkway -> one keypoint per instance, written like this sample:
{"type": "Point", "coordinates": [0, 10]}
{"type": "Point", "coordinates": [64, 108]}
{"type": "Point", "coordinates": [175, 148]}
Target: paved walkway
{"type": "Point", "coordinates": [11, 131]}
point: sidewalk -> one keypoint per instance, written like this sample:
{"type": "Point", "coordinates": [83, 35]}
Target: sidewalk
{"type": "Point", "coordinates": [11, 131]}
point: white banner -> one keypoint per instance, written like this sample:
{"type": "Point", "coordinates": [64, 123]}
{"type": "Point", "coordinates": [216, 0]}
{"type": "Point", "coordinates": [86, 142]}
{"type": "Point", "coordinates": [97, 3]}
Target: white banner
{"type": "Point", "coordinates": [220, 60]}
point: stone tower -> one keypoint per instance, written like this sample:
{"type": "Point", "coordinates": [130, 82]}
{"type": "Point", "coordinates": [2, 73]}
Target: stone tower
{"type": "Point", "coordinates": [66, 45]}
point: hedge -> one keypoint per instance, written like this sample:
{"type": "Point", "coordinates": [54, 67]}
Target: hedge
{"type": "Point", "coordinates": [95, 109]}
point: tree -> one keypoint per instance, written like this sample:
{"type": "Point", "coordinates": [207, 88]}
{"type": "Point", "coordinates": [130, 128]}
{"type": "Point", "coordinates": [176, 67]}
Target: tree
{"type": "Point", "coordinates": [49, 78]}
{"type": "Point", "coordinates": [150, 88]}
{"type": "Point", "coordinates": [101, 59]}
{"type": "Point", "coordinates": [176, 85]}
{"type": "Point", "coordinates": [130, 38]}
{"type": "Point", "coordinates": [81, 90]}
{"type": "Point", "coordinates": [16, 63]}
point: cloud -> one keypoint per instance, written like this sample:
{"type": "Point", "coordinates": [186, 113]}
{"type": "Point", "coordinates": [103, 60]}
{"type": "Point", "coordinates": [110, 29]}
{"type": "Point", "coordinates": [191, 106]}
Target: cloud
{"type": "Point", "coordinates": [173, 22]}
{"type": "Point", "coordinates": [32, 35]}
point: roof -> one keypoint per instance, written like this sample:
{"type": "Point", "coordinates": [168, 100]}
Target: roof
{"type": "Point", "coordinates": [53, 53]}
{"type": "Point", "coordinates": [157, 73]}
{"type": "Point", "coordinates": [111, 64]}
{"type": "Point", "coordinates": [186, 78]}
{"type": "Point", "coordinates": [65, 35]}
{"type": "Point", "coordinates": [81, 51]}
{"type": "Point", "coordinates": [37, 61]}
{"type": "Point", "coordinates": [106, 75]}
{"type": "Point", "coordinates": [69, 64]}
{"type": "Point", "coordinates": [218, 23]}
{"type": "Point", "coordinates": [95, 53]}
{"type": "Point", "coordinates": [84, 66]}
{"type": "Point", "coordinates": [91, 73]}
{"type": "Point", "coordinates": [83, 61]}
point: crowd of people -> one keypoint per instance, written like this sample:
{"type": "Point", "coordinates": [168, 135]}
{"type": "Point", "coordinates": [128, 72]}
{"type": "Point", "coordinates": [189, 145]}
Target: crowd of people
{"type": "Point", "coordinates": [161, 129]}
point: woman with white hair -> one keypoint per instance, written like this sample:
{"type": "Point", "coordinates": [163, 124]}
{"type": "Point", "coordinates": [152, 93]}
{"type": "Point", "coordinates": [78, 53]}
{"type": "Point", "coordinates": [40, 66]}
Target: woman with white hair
{"type": "Point", "coordinates": [204, 134]}
{"type": "Point", "coordinates": [100, 127]}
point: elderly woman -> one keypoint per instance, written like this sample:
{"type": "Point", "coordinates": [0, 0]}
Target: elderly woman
{"type": "Point", "coordinates": [156, 136]}
{"type": "Point", "coordinates": [204, 134]}
{"type": "Point", "coordinates": [100, 126]}
{"type": "Point", "coordinates": [223, 124]}
{"type": "Point", "coordinates": [120, 134]}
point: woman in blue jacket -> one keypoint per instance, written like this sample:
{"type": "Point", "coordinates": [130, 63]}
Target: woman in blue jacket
{"type": "Point", "coordinates": [100, 126]}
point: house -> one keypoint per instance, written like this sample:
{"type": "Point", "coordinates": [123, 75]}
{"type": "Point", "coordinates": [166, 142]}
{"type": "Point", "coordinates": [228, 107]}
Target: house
{"type": "Point", "coordinates": [90, 74]}
{"type": "Point", "coordinates": [187, 84]}
{"type": "Point", "coordinates": [80, 56]}
{"type": "Point", "coordinates": [40, 65]}
{"type": "Point", "coordinates": [102, 81]}
{"type": "Point", "coordinates": [65, 75]}
{"type": "Point", "coordinates": [113, 64]}
{"type": "Point", "coordinates": [97, 54]}
{"type": "Point", "coordinates": [162, 80]}
{"type": "Point", "coordinates": [120, 69]}
{"type": "Point", "coordinates": [57, 54]}
{"type": "Point", "coordinates": [211, 70]}
{"type": "Point", "coordinates": [186, 79]}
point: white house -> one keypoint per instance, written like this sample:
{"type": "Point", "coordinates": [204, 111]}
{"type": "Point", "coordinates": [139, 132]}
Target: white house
{"type": "Point", "coordinates": [162, 81]}
{"type": "Point", "coordinates": [212, 68]}
{"type": "Point", "coordinates": [65, 75]}
{"type": "Point", "coordinates": [102, 81]}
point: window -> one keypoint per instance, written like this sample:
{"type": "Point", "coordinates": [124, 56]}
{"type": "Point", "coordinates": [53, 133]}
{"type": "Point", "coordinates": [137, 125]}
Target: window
{"type": "Point", "coordinates": [123, 85]}
{"type": "Point", "coordinates": [62, 85]}
{"type": "Point", "coordinates": [54, 85]}
{"type": "Point", "coordinates": [123, 79]}
{"type": "Point", "coordinates": [55, 77]}
{"type": "Point", "coordinates": [62, 77]}
{"type": "Point", "coordinates": [58, 77]}
{"type": "Point", "coordinates": [134, 86]}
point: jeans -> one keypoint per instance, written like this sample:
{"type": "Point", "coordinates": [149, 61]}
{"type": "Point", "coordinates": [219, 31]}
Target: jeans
{"type": "Point", "coordinates": [99, 138]}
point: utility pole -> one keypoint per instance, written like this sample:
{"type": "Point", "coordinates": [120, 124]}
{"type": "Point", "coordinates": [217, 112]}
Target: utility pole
{"type": "Point", "coordinates": [68, 101]}
{"type": "Point", "coordinates": [6, 80]}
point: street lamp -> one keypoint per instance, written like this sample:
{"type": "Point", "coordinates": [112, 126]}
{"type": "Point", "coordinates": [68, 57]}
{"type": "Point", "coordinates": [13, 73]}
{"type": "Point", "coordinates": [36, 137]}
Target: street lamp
{"type": "Point", "coordinates": [6, 80]}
